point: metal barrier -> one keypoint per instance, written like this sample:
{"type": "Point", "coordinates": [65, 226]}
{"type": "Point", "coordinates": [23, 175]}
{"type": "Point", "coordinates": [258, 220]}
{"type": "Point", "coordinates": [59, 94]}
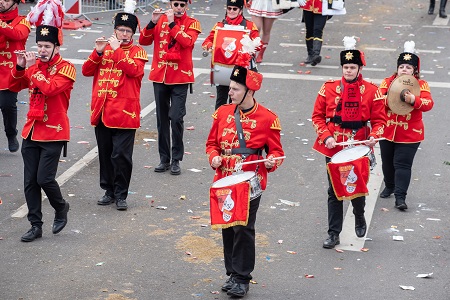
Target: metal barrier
{"type": "Point", "coordinates": [98, 6]}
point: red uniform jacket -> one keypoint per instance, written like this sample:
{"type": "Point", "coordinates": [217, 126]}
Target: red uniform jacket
{"type": "Point", "coordinates": [314, 6]}
{"type": "Point", "coordinates": [13, 37]}
{"type": "Point", "coordinates": [172, 49]}
{"type": "Point", "coordinates": [254, 33]}
{"type": "Point", "coordinates": [117, 85]}
{"type": "Point", "coordinates": [325, 109]}
{"type": "Point", "coordinates": [408, 128]}
{"type": "Point", "coordinates": [52, 83]}
{"type": "Point", "coordinates": [261, 128]}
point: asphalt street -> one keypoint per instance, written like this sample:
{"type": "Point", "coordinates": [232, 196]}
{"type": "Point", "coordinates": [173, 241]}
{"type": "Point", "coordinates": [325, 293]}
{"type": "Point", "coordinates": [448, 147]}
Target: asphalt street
{"type": "Point", "coordinates": [152, 253]}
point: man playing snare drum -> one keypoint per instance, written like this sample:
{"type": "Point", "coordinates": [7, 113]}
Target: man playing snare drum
{"type": "Point", "coordinates": [342, 111]}
{"type": "Point", "coordinates": [225, 148]}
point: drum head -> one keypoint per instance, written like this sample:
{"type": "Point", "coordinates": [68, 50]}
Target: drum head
{"type": "Point", "coordinates": [350, 154]}
{"type": "Point", "coordinates": [233, 179]}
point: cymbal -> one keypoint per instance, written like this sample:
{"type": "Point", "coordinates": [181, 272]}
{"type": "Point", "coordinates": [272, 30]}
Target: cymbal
{"type": "Point", "coordinates": [394, 98]}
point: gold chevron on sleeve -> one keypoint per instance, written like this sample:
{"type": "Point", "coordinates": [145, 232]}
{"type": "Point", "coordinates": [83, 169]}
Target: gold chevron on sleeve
{"type": "Point", "coordinates": [276, 124]}
{"type": "Point", "coordinates": [196, 26]}
{"type": "Point", "coordinates": [379, 96]}
{"type": "Point", "coordinates": [214, 115]}
{"type": "Point", "coordinates": [68, 71]}
{"type": "Point", "coordinates": [383, 85]}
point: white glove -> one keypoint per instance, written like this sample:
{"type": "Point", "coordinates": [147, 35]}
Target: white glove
{"type": "Point", "coordinates": [301, 2]}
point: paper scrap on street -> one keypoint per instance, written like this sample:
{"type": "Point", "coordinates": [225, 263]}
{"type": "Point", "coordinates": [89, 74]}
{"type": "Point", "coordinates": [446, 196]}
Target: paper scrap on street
{"type": "Point", "coordinates": [407, 287]}
{"type": "Point", "coordinates": [426, 275]}
{"type": "Point", "coordinates": [290, 203]}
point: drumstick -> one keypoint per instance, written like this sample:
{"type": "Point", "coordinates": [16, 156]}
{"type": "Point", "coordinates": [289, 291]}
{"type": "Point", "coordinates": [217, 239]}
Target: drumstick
{"type": "Point", "coordinates": [261, 160]}
{"type": "Point", "coordinates": [356, 142]}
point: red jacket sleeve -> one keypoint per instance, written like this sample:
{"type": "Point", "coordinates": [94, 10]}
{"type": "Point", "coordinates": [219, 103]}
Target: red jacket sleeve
{"type": "Point", "coordinates": [212, 144]}
{"type": "Point", "coordinates": [18, 80]}
{"type": "Point", "coordinates": [90, 66]}
{"type": "Point", "coordinates": [18, 32]}
{"type": "Point", "coordinates": [146, 37]}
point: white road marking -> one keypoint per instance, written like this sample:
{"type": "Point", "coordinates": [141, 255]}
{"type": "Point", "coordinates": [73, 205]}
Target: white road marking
{"type": "Point", "coordinates": [440, 21]}
{"type": "Point", "coordinates": [349, 240]}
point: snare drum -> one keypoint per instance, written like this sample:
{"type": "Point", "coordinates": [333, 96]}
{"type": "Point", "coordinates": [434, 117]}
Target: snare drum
{"type": "Point", "coordinates": [255, 185]}
{"type": "Point", "coordinates": [220, 75]}
{"type": "Point", "coordinates": [353, 153]}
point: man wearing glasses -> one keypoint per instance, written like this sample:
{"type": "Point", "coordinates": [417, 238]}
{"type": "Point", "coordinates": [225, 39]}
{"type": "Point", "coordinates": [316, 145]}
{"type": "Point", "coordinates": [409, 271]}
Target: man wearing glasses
{"type": "Point", "coordinates": [173, 34]}
{"type": "Point", "coordinates": [118, 68]}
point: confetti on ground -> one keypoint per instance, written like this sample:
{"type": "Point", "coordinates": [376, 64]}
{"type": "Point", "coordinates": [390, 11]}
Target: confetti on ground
{"type": "Point", "coordinates": [183, 197]}
{"type": "Point", "coordinates": [397, 238]}
{"type": "Point", "coordinates": [82, 142]}
{"type": "Point", "coordinates": [188, 253]}
{"type": "Point", "coordinates": [408, 230]}
{"type": "Point", "coordinates": [215, 292]}
{"type": "Point", "coordinates": [71, 195]}
{"type": "Point", "coordinates": [338, 268]}
{"type": "Point", "coordinates": [188, 153]}
{"type": "Point", "coordinates": [436, 237]}
{"type": "Point", "coordinates": [433, 219]}
{"type": "Point", "coordinates": [299, 72]}
{"type": "Point", "coordinates": [194, 170]}
{"type": "Point", "coordinates": [407, 287]}
{"type": "Point", "coordinates": [148, 167]}
{"type": "Point", "coordinates": [190, 128]}
{"type": "Point", "coordinates": [291, 252]}
{"type": "Point", "coordinates": [280, 242]}
{"type": "Point", "coordinates": [308, 72]}
{"type": "Point", "coordinates": [195, 217]}
{"type": "Point", "coordinates": [384, 209]}
{"type": "Point", "coordinates": [290, 203]}
{"type": "Point", "coordinates": [364, 249]}
{"type": "Point", "coordinates": [5, 175]}
{"type": "Point", "coordinates": [253, 282]}
{"type": "Point", "coordinates": [309, 276]}
{"type": "Point", "coordinates": [426, 275]}
{"type": "Point", "coordinates": [1, 202]}
{"type": "Point", "coordinates": [149, 140]}
{"type": "Point", "coordinates": [99, 264]}
{"type": "Point", "coordinates": [212, 96]}
{"type": "Point", "coordinates": [161, 207]}
{"type": "Point", "coordinates": [339, 250]}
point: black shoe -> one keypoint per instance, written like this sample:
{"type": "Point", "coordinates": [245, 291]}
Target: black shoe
{"type": "Point", "coordinates": [360, 226]}
{"type": "Point", "coordinates": [400, 204]}
{"type": "Point", "coordinates": [32, 234]}
{"type": "Point", "coordinates": [442, 14]}
{"type": "Point", "coordinates": [331, 241]}
{"type": "Point", "coordinates": [106, 200]}
{"type": "Point", "coordinates": [228, 284]}
{"type": "Point", "coordinates": [387, 192]}
{"type": "Point", "coordinates": [175, 168]}
{"type": "Point", "coordinates": [238, 290]}
{"type": "Point", "coordinates": [13, 144]}
{"type": "Point", "coordinates": [121, 204]}
{"type": "Point", "coordinates": [60, 219]}
{"type": "Point", "coordinates": [308, 60]}
{"type": "Point", "coordinates": [162, 167]}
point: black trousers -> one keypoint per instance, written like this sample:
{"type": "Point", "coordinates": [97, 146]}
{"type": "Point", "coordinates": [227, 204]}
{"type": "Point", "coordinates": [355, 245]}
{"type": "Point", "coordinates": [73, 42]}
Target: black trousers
{"type": "Point", "coordinates": [8, 105]}
{"type": "Point", "coordinates": [397, 160]}
{"type": "Point", "coordinates": [40, 160]}
{"type": "Point", "coordinates": [170, 111]}
{"type": "Point", "coordinates": [222, 95]}
{"type": "Point", "coordinates": [314, 23]}
{"type": "Point", "coordinates": [115, 153]}
{"type": "Point", "coordinates": [239, 247]}
{"type": "Point", "coordinates": [336, 208]}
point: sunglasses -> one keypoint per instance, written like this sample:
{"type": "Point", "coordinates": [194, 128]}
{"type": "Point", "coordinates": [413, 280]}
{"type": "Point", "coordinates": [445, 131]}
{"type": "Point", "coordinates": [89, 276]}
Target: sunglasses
{"type": "Point", "coordinates": [233, 8]}
{"type": "Point", "coordinates": [175, 4]}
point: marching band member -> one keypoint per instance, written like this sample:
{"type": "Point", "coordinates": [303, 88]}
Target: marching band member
{"type": "Point", "coordinates": [225, 148]}
{"type": "Point", "coordinates": [341, 111]}
{"type": "Point", "coordinates": [50, 80]}
{"type": "Point", "coordinates": [118, 68]}
{"type": "Point", "coordinates": [173, 35]}
{"type": "Point", "coordinates": [14, 31]}
{"type": "Point", "coordinates": [233, 16]}
{"type": "Point", "coordinates": [403, 133]}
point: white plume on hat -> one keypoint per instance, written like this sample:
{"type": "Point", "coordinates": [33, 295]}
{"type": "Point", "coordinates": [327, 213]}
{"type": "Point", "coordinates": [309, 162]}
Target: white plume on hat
{"type": "Point", "coordinates": [129, 6]}
{"type": "Point", "coordinates": [409, 47]}
{"type": "Point", "coordinates": [349, 43]}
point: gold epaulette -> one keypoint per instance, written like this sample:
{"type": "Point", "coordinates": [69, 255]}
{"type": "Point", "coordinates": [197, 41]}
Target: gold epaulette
{"type": "Point", "coordinates": [68, 71]}
{"type": "Point", "coordinates": [196, 26]}
{"type": "Point", "coordinates": [379, 95]}
{"type": "Point", "coordinates": [254, 27]}
{"type": "Point", "coordinates": [425, 87]}
{"type": "Point", "coordinates": [214, 115]}
{"type": "Point", "coordinates": [142, 54]}
{"type": "Point", "coordinates": [25, 22]}
{"type": "Point", "coordinates": [322, 90]}
{"type": "Point", "coordinates": [383, 84]}
{"type": "Point", "coordinates": [276, 124]}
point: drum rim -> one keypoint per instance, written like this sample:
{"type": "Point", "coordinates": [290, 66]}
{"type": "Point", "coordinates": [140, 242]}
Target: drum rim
{"type": "Point", "coordinates": [349, 149]}
{"type": "Point", "coordinates": [246, 173]}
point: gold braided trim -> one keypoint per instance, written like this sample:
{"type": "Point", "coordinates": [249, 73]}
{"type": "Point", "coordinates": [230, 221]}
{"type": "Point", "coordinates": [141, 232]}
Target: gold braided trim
{"type": "Point", "coordinates": [131, 114]}
{"type": "Point", "coordinates": [10, 64]}
{"type": "Point", "coordinates": [6, 53]}
{"type": "Point", "coordinates": [401, 124]}
{"type": "Point", "coordinates": [214, 115]}
{"type": "Point", "coordinates": [95, 62]}
{"type": "Point", "coordinates": [383, 84]}
{"type": "Point", "coordinates": [379, 96]}
{"type": "Point", "coordinates": [68, 71]}
{"type": "Point", "coordinates": [58, 128]}
{"type": "Point", "coordinates": [142, 54]}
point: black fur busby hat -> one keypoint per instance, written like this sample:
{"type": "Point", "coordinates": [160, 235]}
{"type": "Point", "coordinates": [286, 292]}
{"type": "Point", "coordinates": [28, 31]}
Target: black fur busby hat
{"type": "Point", "coordinates": [47, 33]}
{"type": "Point", "coordinates": [408, 56]}
{"type": "Point", "coordinates": [127, 17]}
{"type": "Point", "coordinates": [238, 3]}
{"type": "Point", "coordinates": [251, 79]}
{"type": "Point", "coordinates": [351, 55]}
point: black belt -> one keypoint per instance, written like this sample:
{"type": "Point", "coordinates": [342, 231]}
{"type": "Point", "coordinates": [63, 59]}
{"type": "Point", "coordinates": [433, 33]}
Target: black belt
{"type": "Point", "coordinates": [338, 120]}
{"type": "Point", "coordinates": [241, 151]}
